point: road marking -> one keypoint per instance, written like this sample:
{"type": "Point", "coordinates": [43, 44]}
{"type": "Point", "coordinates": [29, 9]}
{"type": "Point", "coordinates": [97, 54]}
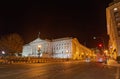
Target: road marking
{"type": "Point", "coordinates": [117, 73]}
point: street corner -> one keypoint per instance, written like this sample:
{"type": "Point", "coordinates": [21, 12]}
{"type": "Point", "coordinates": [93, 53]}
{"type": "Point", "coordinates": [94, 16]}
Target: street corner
{"type": "Point", "coordinates": [113, 63]}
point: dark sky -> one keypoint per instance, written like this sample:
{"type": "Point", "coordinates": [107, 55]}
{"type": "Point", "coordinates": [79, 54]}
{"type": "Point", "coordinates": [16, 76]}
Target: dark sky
{"type": "Point", "coordinates": [82, 20]}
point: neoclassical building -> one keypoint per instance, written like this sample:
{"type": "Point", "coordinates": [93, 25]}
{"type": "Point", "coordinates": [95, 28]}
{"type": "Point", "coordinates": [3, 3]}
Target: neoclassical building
{"type": "Point", "coordinates": [38, 47]}
{"type": "Point", "coordinates": [113, 27]}
{"type": "Point", "coordinates": [67, 47]}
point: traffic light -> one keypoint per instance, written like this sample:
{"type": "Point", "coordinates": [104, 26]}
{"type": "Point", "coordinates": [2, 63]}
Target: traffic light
{"type": "Point", "coordinates": [100, 45]}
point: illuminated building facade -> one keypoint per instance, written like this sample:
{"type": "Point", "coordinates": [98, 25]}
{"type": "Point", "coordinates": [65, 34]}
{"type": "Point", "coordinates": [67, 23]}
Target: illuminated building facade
{"type": "Point", "coordinates": [57, 48]}
{"type": "Point", "coordinates": [37, 47]}
{"type": "Point", "coordinates": [62, 48]}
{"type": "Point", "coordinates": [113, 27]}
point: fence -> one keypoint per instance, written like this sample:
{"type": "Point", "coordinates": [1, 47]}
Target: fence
{"type": "Point", "coordinates": [10, 60]}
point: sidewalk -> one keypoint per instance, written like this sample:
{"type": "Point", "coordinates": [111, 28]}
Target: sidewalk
{"type": "Point", "coordinates": [112, 63]}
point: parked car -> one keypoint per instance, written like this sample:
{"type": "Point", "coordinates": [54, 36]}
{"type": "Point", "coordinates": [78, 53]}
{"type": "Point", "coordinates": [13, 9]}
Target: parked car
{"type": "Point", "coordinates": [100, 60]}
{"type": "Point", "coordinates": [87, 59]}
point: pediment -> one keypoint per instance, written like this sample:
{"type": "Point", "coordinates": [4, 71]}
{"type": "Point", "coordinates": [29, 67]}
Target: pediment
{"type": "Point", "coordinates": [38, 40]}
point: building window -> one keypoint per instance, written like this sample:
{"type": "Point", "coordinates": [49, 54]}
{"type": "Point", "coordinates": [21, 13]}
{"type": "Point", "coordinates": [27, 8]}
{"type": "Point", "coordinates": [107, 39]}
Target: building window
{"type": "Point", "coordinates": [68, 43]}
{"type": "Point", "coordinates": [59, 44]}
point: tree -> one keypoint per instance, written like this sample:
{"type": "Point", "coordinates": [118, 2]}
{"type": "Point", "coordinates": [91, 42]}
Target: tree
{"type": "Point", "coordinates": [11, 44]}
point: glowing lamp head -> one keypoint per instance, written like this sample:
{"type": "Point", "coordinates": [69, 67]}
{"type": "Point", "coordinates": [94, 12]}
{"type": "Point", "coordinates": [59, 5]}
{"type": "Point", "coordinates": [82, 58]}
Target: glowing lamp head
{"type": "Point", "coordinates": [39, 46]}
{"type": "Point", "coordinates": [115, 9]}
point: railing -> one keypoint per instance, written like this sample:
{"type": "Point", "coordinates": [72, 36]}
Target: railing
{"type": "Point", "coordinates": [10, 60]}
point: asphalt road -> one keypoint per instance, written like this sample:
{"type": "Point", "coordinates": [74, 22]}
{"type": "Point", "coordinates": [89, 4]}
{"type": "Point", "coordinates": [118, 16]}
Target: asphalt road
{"type": "Point", "coordinates": [65, 70]}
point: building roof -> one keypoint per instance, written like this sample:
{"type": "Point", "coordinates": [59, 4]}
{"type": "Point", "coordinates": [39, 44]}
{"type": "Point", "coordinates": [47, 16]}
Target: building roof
{"type": "Point", "coordinates": [60, 39]}
{"type": "Point", "coordinates": [114, 2]}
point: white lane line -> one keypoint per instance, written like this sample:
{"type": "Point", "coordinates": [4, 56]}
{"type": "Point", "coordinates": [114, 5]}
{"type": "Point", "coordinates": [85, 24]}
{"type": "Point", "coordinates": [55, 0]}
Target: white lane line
{"type": "Point", "coordinates": [117, 73]}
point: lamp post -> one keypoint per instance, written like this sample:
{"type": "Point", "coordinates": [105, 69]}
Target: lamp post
{"type": "Point", "coordinates": [39, 50]}
{"type": "Point", "coordinates": [67, 53]}
{"type": "Point", "coordinates": [3, 54]}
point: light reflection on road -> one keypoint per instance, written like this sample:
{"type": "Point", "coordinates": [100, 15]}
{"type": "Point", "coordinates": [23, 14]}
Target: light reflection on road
{"type": "Point", "coordinates": [66, 70]}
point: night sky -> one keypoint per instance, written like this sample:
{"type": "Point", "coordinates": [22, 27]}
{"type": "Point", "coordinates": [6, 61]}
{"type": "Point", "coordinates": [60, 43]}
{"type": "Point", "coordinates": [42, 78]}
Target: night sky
{"type": "Point", "coordinates": [81, 19]}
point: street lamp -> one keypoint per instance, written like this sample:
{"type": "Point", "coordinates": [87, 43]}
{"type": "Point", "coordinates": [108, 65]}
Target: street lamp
{"type": "Point", "coordinates": [39, 50]}
{"type": "Point", "coordinates": [67, 53]}
{"type": "Point", "coordinates": [3, 53]}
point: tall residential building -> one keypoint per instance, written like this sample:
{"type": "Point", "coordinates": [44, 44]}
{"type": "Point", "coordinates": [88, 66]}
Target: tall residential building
{"type": "Point", "coordinates": [113, 27]}
{"type": "Point", "coordinates": [67, 47]}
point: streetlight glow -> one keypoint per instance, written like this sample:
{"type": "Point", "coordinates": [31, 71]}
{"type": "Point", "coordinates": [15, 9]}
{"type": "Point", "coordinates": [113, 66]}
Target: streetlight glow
{"type": "Point", "coordinates": [115, 9]}
{"type": "Point", "coordinates": [39, 46]}
{"type": "Point", "coordinates": [3, 52]}
{"type": "Point", "coordinates": [94, 37]}
{"type": "Point", "coordinates": [39, 50]}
